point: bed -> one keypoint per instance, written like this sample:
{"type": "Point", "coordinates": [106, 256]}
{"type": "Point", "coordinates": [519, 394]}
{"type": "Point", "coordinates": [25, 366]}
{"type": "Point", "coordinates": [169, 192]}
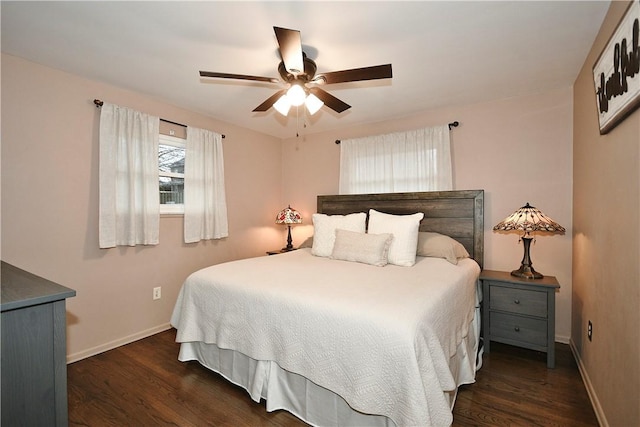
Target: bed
{"type": "Point", "coordinates": [337, 341]}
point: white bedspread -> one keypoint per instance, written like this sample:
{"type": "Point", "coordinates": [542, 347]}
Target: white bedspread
{"type": "Point", "coordinates": [380, 337]}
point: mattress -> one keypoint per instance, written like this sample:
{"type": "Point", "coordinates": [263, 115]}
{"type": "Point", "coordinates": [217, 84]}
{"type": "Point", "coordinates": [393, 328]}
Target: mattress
{"type": "Point", "coordinates": [390, 343]}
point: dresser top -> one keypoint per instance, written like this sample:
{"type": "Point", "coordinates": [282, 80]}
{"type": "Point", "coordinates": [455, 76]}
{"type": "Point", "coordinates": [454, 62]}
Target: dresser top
{"type": "Point", "coordinates": [23, 289]}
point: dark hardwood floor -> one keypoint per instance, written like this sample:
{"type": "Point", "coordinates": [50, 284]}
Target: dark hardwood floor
{"type": "Point", "coordinates": [143, 384]}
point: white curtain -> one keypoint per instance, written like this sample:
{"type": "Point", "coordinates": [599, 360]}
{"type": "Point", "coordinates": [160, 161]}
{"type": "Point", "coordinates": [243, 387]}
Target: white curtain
{"type": "Point", "coordinates": [205, 206]}
{"type": "Point", "coordinates": [129, 202]}
{"type": "Point", "coordinates": [417, 160]}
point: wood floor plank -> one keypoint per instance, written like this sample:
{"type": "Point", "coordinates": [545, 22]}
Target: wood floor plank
{"type": "Point", "coordinates": [144, 384]}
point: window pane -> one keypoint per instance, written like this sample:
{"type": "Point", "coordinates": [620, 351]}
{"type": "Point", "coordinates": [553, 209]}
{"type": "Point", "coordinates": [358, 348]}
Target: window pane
{"type": "Point", "coordinates": [171, 190]}
{"type": "Point", "coordinates": [171, 158]}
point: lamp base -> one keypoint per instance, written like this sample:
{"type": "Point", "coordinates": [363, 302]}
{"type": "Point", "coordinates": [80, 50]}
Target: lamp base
{"type": "Point", "coordinates": [289, 246]}
{"type": "Point", "coordinates": [526, 272]}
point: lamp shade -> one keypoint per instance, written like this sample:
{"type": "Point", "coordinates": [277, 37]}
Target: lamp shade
{"type": "Point", "coordinates": [529, 219]}
{"type": "Point", "coordinates": [296, 95]}
{"type": "Point", "coordinates": [313, 104]}
{"type": "Point", "coordinates": [288, 216]}
{"type": "Point", "coordinates": [282, 105]}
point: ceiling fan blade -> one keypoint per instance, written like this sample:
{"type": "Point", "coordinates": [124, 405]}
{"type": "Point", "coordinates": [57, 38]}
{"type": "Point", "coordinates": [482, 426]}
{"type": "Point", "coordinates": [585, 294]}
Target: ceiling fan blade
{"type": "Point", "coordinates": [290, 49]}
{"type": "Point", "coordinates": [329, 100]}
{"type": "Point", "coordinates": [238, 77]}
{"type": "Point", "coordinates": [356, 74]}
{"type": "Point", "coordinates": [270, 101]}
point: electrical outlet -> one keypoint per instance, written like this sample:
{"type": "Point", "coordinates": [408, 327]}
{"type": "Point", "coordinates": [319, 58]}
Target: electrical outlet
{"type": "Point", "coordinates": [157, 293]}
{"type": "Point", "coordinates": [589, 330]}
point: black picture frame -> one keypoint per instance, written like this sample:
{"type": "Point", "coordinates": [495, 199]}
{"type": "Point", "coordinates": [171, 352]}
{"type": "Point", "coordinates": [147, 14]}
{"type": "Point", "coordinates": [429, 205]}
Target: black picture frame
{"type": "Point", "coordinates": [616, 72]}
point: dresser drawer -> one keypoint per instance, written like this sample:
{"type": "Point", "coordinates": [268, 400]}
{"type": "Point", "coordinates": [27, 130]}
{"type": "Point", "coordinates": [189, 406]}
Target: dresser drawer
{"type": "Point", "coordinates": [519, 301]}
{"type": "Point", "coordinates": [517, 328]}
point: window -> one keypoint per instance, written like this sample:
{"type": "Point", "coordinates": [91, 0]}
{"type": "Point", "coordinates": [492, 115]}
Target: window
{"type": "Point", "coordinates": [171, 155]}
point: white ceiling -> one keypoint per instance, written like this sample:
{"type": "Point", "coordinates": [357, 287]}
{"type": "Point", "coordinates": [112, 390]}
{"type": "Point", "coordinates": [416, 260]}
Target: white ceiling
{"type": "Point", "coordinates": [443, 53]}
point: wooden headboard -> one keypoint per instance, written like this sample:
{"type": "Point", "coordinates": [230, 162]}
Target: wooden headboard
{"type": "Point", "coordinates": [459, 214]}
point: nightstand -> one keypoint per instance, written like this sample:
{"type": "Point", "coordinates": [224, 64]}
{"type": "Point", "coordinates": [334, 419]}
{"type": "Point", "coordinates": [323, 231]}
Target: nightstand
{"type": "Point", "coordinates": [519, 312]}
{"type": "Point", "coordinates": [280, 251]}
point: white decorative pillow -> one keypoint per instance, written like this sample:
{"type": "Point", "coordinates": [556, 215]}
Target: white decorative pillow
{"type": "Point", "coordinates": [405, 234]}
{"type": "Point", "coordinates": [440, 246]}
{"type": "Point", "coordinates": [362, 247]}
{"type": "Point", "coordinates": [324, 230]}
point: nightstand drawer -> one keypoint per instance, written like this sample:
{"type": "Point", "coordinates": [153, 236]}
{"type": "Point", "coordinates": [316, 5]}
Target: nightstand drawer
{"type": "Point", "coordinates": [519, 301]}
{"type": "Point", "coordinates": [517, 328]}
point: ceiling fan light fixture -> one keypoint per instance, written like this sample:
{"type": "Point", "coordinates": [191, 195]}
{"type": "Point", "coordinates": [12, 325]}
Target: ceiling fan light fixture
{"type": "Point", "coordinates": [296, 71]}
{"type": "Point", "coordinates": [313, 104]}
{"type": "Point", "coordinates": [296, 95]}
{"type": "Point", "coordinates": [282, 105]}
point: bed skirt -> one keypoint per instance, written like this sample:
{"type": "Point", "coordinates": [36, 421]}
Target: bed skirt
{"type": "Point", "coordinates": [316, 405]}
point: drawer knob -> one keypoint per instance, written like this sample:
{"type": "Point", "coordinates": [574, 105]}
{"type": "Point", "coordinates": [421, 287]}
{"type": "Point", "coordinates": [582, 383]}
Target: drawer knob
{"type": "Point", "coordinates": [516, 301]}
{"type": "Point", "coordinates": [517, 329]}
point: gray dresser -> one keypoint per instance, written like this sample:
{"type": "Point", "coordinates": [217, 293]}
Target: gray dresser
{"type": "Point", "coordinates": [519, 312]}
{"type": "Point", "coordinates": [34, 349]}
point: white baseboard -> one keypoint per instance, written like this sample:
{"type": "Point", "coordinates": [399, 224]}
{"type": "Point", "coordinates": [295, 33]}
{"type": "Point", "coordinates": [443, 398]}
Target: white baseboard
{"type": "Point", "coordinates": [562, 339]}
{"type": "Point", "coordinates": [117, 343]}
{"type": "Point", "coordinates": [597, 408]}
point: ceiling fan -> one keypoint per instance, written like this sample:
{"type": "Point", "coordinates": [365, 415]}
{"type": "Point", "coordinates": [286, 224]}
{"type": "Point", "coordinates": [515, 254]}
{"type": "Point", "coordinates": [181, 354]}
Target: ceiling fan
{"type": "Point", "coordinates": [298, 72]}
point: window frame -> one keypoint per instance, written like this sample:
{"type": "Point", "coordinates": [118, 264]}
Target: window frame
{"type": "Point", "coordinates": [171, 209]}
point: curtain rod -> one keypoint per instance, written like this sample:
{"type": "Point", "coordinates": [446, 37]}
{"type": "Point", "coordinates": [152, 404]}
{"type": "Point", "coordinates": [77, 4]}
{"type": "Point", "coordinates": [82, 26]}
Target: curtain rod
{"type": "Point", "coordinates": [100, 103]}
{"type": "Point", "coordinates": [451, 125]}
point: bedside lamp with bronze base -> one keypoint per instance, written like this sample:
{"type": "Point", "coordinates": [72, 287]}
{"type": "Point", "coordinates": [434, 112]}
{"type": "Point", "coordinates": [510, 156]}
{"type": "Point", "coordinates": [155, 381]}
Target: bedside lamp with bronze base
{"type": "Point", "coordinates": [288, 216]}
{"type": "Point", "coordinates": [528, 220]}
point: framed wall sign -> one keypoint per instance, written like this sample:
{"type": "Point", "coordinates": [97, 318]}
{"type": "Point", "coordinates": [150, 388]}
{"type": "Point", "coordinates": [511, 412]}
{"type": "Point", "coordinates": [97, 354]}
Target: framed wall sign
{"type": "Point", "coordinates": [616, 73]}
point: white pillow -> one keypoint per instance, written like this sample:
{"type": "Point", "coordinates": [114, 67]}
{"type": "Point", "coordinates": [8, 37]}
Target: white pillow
{"type": "Point", "coordinates": [405, 234]}
{"type": "Point", "coordinates": [362, 247]}
{"type": "Point", "coordinates": [324, 230]}
{"type": "Point", "coordinates": [440, 246]}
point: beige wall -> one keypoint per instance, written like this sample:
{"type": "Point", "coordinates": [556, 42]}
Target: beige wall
{"type": "Point", "coordinates": [50, 205]}
{"type": "Point", "coordinates": [518, 150]}
{"type": "Point", "coordinates": [606, 248]}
